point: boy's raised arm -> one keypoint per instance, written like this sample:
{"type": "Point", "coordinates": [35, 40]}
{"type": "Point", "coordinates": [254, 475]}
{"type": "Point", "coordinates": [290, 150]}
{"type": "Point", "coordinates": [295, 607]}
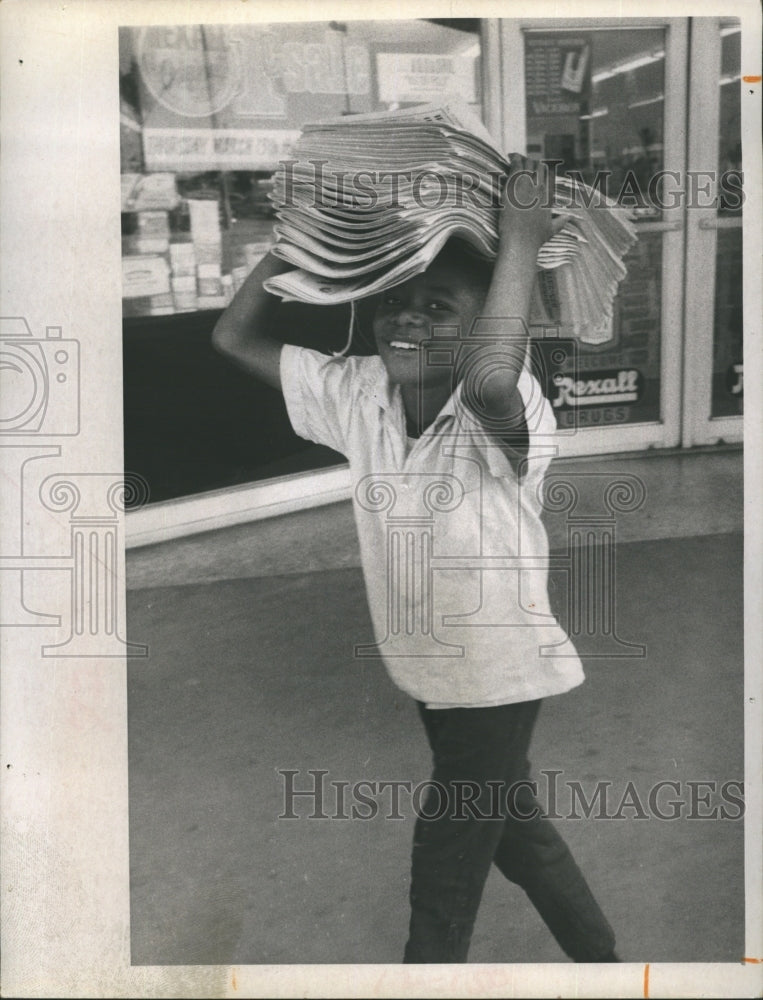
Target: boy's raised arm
{"type": "Point", "coordinates": [490, 370]}
{"type": "Point", "coordinates": [243, 331]}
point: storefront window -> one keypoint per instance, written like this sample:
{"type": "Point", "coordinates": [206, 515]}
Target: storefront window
{"type": "Point", "coordinates": [206, 114]}
{"type": "Point", "coordinates": [594, 103]}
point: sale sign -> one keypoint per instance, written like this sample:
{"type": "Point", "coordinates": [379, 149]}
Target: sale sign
{"type": "Point", "coordinates": [236, 96]}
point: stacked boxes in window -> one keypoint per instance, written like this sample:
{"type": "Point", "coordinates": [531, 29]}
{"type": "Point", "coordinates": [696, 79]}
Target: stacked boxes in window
{"type": "Point", "coordinates": [183, 263]}
{"type": "Point", "coordinates": [146, 285]}
{"type": "Point", "coordinates": [207, 242]}
{"type": "Point", "coordinates": [146, 203]}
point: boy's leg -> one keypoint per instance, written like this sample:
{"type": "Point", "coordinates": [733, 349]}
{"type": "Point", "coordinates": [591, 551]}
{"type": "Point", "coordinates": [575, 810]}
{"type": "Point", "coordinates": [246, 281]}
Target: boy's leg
{"type": "Point", "coordinates": [532, 854]}
{"type": "Point", "coordinates": [453, 851]}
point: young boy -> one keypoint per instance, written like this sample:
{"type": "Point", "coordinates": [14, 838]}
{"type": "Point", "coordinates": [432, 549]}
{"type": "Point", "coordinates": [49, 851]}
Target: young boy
{"type": "Point", "coordinates": [439, 431]}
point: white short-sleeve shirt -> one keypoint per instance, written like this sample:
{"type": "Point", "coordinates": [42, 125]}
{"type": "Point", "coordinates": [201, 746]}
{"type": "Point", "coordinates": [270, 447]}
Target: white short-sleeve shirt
{"type": "Point", "coordinates": [453, 549]}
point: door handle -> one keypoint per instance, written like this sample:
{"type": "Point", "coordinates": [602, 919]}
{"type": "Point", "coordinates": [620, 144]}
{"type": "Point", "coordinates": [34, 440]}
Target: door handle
{"type": "Point", "coordinates": [721, 222]}
{"type": "Point", "coordinates": [659, 227]}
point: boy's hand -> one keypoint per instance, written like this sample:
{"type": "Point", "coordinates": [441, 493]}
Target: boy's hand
{"type": "Point", "coordinates": [525, 219]}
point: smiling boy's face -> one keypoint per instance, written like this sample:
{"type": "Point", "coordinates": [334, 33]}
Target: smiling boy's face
{"type": "Point", "coordinates": [449, 293]}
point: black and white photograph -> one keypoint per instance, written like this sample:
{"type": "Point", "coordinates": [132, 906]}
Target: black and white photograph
{"type": "Point", "coordinates": [381, 559]}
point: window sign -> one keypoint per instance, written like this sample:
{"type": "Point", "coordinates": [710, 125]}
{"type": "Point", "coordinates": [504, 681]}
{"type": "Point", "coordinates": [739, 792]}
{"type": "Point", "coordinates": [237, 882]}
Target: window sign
{"type": "Point", "coordinates": [247, 70]}
{"type": "Point", "coordinates": [235, 96]}
{"type": "Point", "coordinates": [419, 78]}
{"type": "Point", "coordinates": [557, 74]}
{"type": "Point", "coordinates": [207, 149]}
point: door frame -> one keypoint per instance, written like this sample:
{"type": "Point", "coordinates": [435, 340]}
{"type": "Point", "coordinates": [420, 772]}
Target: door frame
{"type": "Point", "coordinates": [702, 225]}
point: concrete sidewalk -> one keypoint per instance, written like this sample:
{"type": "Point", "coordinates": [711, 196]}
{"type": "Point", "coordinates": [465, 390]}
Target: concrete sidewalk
{"type": "Point", "coordinates": [689, 493]}
{"type": "Point", "coordinates": [254, 675]}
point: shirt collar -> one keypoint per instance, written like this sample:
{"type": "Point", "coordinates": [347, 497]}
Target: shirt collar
{"type": "Point", "coordinates": [377, 386]}
{"type": "Point", "coordinates": [455, 416]}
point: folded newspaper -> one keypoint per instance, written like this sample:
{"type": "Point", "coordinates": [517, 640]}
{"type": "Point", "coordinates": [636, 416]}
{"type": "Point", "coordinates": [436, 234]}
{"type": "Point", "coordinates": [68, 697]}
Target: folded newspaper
{"type": "Point", "coordinates": [369, 200]}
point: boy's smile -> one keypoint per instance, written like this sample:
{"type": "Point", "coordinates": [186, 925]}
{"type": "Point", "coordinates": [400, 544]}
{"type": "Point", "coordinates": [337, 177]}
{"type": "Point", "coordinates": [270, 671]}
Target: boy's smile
{"type": "Point", "coordinates": [407, 316]}
{"type": "Point", "coordinates": [447, 297]}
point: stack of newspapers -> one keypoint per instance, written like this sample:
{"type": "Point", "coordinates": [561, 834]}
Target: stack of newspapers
{"type": "Point", "coordinates": [368, 201]}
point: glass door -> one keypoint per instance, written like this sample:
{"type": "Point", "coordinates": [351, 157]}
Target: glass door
{"type": "Point", "coordinates": [606, 100]}
{"type": "Point", "coordinates": [713, 386]}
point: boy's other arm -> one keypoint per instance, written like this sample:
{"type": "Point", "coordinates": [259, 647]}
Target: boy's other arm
{"type": "Point", "coordinates": [491, 371]}
{"type": "Point", "coordinates": [242, 333]}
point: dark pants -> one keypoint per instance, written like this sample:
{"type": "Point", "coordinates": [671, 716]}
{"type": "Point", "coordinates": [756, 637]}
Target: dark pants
{"type": "Point", "coordinates": [453, 851]}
